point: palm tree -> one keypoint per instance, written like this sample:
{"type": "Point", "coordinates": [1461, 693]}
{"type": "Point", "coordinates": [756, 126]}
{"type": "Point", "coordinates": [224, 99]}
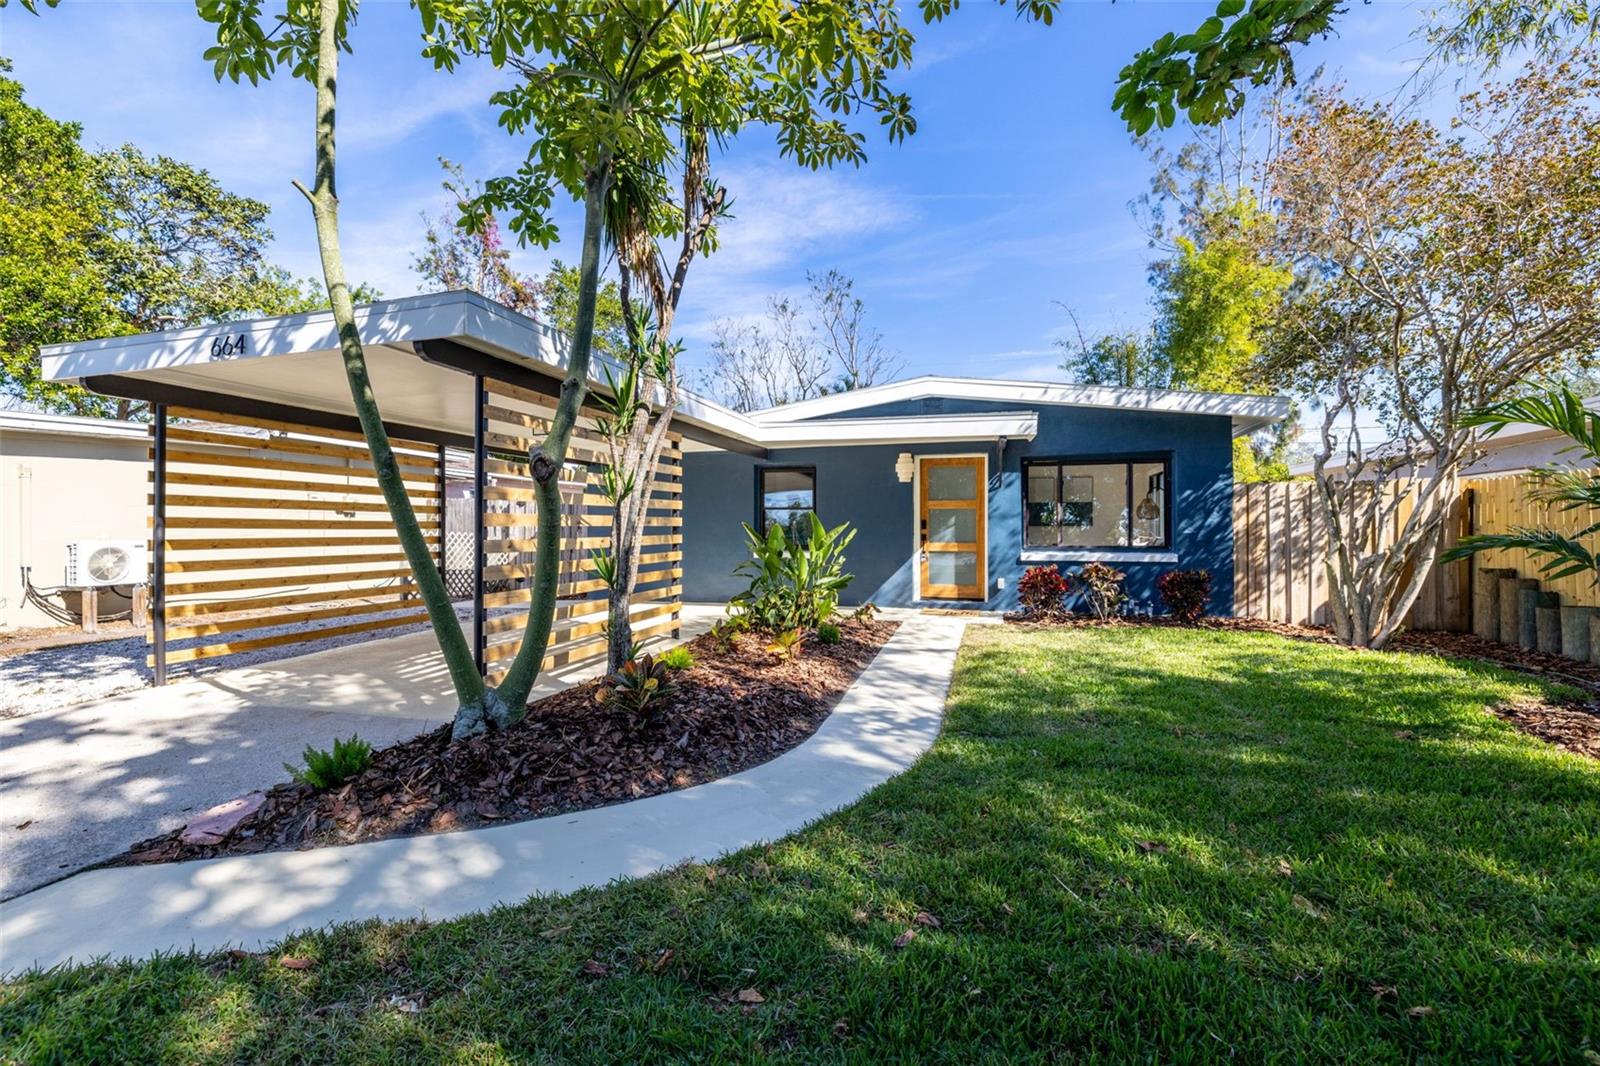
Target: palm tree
{"type": "Point", "coordinates": [1566, 487]}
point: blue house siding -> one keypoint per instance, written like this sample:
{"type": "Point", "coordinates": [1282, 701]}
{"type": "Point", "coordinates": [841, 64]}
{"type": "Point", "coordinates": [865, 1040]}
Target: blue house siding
{"type": "Point", "coordinates": [858, 485]}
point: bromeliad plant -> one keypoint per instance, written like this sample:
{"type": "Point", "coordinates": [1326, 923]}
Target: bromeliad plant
{"type": "Point", "coordinates": [638, 688]}
{"type": "Point", "coordinates": [1565, 487]}
{"type": "Point", "coordinates": [794, 581]}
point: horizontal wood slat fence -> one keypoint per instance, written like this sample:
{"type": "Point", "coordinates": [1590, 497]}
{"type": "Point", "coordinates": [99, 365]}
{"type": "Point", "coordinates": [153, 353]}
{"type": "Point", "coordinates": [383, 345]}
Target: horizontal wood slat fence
{"type": "Point", "coordinates": [277, 535]}
{"type": "Point", "coordinates": [1280, 552]}
{"type": "Point", "coordinates": [516, 419]}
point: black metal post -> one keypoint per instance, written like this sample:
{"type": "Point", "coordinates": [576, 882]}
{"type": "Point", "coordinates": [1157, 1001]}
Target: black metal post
{"type": "Point", "coordinates": [480, 558]}
{"type": "Point", "coordinates": [158, 570]}
{"type": "Point", "coordinates": [444, 521]}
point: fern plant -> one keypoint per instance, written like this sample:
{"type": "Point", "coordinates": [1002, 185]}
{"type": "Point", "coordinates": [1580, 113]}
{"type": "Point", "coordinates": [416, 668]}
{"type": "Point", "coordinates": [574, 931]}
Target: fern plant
{"type": "Point", "coordinates": [326, 769]}
{"type": "Point", "coordinates": [1563, 487]}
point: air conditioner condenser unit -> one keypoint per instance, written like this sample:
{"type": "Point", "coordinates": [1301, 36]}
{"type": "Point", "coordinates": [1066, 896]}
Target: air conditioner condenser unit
{"type": "Point", "coordinates": [98, 563]}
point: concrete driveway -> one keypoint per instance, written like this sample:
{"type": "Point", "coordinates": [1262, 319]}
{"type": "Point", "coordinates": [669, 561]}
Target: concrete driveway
{"type": "Point", "coordinates": [80, 784]}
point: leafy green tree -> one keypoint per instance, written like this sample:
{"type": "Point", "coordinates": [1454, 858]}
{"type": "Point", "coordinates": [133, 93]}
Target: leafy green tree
{"type": "Point", "coordinates": [1128, 359]}
{"type": "Point", "coordinates": [558, 305]}
{"type": "Point", "coordinates": [1252, 42]}
{"type": "Point", "coordinates": [53, 278]}
{"type": "Point", "coordinates": [1564, 487]}
{"type": "Point", "coordinates": [95, 245]}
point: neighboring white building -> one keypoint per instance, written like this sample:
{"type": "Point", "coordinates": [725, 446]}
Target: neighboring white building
{"type": "Point", "coordinates": [1517, 449]}
{"type": "Point", "coordinates": [65, 479]}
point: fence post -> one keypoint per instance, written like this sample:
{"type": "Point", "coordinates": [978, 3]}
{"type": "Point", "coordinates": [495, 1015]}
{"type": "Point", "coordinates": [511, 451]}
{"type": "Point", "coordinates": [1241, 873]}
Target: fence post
{"type": "Point", "coordinates": [480, 556]}
{"type": "Point", "coordinates": [158, 568]}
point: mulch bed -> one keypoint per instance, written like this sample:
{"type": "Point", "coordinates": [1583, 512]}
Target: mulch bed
{"type": "Point", "coordinates": [732, 710]}
{"type": "Point", "coordinates": [1570, 724]}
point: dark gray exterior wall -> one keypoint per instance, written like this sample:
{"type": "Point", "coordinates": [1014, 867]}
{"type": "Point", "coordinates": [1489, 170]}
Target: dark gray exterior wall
{"type": "Point", "coordinates": [858, 485]}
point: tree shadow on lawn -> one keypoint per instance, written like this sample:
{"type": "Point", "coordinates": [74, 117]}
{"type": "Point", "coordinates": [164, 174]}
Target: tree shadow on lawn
{"type": "Point", "coordinates": [1102, 859]}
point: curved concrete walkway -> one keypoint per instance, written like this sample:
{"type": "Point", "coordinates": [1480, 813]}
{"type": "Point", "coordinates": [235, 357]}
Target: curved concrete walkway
{"type": "Point", "coordinates": [886, 720]}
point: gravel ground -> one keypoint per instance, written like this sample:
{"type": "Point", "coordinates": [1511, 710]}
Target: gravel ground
{"type": "Point", "coordinates": [52, 678]}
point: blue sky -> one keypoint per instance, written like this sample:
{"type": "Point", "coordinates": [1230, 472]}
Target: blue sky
{"type": "Point", "coordinates": [1012, 196]}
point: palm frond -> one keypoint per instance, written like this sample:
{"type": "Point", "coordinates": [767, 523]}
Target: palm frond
{"type": "Point", "coordinates": [1559, 409]}
{"type": "Point", "coordinates": [1566, 556]}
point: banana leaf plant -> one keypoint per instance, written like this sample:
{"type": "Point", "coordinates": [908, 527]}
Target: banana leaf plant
{"type": "Point", "coordinates": [1562, 487]}
{"type": "Point", "coordinates": [794, 579]}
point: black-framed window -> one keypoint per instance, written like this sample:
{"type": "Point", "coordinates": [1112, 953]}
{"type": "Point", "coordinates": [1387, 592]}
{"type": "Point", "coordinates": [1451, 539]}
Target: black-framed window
{"type": "Point", "coordinates": [787, 495]}
{"type": "Point", "coordinates": [1111, 502]}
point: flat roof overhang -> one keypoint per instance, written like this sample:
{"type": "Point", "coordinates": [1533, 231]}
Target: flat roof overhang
{"type": "Point", "coordinates": [421, 352]}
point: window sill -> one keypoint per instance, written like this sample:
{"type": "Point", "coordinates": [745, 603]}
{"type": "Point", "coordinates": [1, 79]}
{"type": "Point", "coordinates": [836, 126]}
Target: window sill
{"type": "Point", "coordinates": [1091, 555]}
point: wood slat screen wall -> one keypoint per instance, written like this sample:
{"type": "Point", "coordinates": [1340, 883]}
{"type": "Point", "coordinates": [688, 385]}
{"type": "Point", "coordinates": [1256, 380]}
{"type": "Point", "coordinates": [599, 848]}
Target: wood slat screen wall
{"type": "Point", "coordinates": [516, 419]}
{"type": "Point", "coordinates": [277, 534]}
{"type": "Point", "coordinates": [1280, 554]}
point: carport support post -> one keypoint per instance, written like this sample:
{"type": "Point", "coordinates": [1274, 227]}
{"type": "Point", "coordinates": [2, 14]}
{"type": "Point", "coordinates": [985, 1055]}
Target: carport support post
{"type": "Point", "coordinates": [480, 453]}
{"type": "Point", "coordinates": [158, 568]}
{"type": "Point", "coordinates": [444, 521]}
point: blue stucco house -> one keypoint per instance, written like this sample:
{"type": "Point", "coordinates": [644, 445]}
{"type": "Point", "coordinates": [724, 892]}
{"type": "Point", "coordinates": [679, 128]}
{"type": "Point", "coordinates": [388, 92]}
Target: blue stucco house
{"type": "Point", "coordinates": [959, 485]}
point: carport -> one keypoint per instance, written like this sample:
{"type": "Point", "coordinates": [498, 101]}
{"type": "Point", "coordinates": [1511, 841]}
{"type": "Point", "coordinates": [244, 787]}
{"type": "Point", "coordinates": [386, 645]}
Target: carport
{"type": "Point", "coordinates": [267, 526]}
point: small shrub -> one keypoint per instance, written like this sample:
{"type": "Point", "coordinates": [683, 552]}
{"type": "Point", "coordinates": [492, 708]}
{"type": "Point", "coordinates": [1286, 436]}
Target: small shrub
{"type": "Point", "coordinates": [325, 769]}
{"type": "Point", "coordinates": [1041, 590]}
{"type": "Point", "coordinates": [725, 634]}
{"type": "Point", "coordinates": [864, 613]}
{"type": "Point", "coordinates": [786, 645]}
{"type": "Point", "coordinates": [795, 581]}
{"type": "Point", "coordinates": [678, 658]}
{"type": "Point", "coordinates": [638, 688]}
{"type": "Point", "coordinates": [1185, 592]}
{"type": "Point", "coordinates": [1101, 588]}
{"type": "Point", "coordinates": [828, 633]}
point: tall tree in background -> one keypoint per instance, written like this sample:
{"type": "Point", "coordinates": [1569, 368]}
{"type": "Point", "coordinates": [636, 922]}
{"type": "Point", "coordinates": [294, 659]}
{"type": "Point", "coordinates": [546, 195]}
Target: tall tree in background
{"type": "Point", "coordinates": [100, 244]}
{"type": "Point", "coordinates": [802, 350]}
{"type": "Point", "coordinates": [558, 306]}
{"type": "Point", "coordinates": [455, 257]}
{"type": "Point", "coordinates": [1441, 270]}
{"type": "Point", "coordinates": [1128, 359]}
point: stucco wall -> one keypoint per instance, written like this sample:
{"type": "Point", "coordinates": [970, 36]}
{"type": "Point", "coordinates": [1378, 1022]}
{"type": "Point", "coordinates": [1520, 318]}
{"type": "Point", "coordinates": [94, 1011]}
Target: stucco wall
{"type": "Point", "coordinates": [858, 485]}
{"type": "Point", "coordinates": [57, 489]}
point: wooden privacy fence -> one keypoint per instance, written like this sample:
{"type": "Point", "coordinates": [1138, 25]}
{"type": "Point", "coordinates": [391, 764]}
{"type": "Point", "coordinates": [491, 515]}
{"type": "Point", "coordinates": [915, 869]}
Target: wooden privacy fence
{"type": "Point", "coordinates": [276, 534]}
{"type": "Point", "coordinates": [1280, 556]}
{"type": "Point", "coordinates": [513, 420]}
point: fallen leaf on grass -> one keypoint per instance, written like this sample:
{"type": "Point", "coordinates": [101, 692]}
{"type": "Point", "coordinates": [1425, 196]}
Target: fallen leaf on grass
{"type": "Point", "coordinates": [295, 962]}
{"type": "Point", "coordinates": [593, 968]}
{"type": "Point", "coordinates": [662, 960]}
{"type": "Point", "coordinates": [1151, 847]}
{"type": "Point", "coordinates": [924, 918]}
{"type": "Point", "coordinates": [751, 996]}
{"type": "Point", "coordinates": [1307, 906]}
{"type": "Point", "coordinates": [551, 934]}
{"type": "Point", "coordinates": [1404, 734]}
{"type": "Point", "coordinates": [1005, 908]}
{"type": "Point", "coordinates": [905, 938]}
{"type": "Point", "coordinates": [1382, 991]}
{"type": "Point", "coordinates": [1420, 1012]}
{"type": "Point", "coordinates": [405, 1004]}
{"type": "Point", "coordinates": [1284, 869]}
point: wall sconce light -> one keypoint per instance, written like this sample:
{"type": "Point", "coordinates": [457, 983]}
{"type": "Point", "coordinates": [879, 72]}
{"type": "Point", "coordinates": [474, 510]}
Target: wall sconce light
{"type": "Point", "coordinates": [905, 467]}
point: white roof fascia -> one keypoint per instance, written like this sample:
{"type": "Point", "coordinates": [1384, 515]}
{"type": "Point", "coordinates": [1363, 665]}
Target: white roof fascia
{"type": "Point", "coordinates": [1254, 411]}
{"type": "Point", "coordinates": [916, 429]}
{"type": "Point", "coordinates": [36, 423]}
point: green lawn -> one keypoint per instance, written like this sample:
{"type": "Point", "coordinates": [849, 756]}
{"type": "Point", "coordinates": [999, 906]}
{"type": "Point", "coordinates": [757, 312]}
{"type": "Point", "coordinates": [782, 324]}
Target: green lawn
{"type": "Point", "coordinates": [1343, 858]}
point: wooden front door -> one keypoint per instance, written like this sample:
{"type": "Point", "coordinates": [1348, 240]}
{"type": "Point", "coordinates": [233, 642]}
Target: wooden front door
{"type": "Point", "coordinates": [952, 509]}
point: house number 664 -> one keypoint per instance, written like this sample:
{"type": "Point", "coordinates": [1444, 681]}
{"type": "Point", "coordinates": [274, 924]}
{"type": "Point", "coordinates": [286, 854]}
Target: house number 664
{"type": "Point", "coordinates": [223, 347]}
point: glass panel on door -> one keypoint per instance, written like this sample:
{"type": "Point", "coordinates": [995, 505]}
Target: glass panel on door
{"type": "Point", "coordinates": [951, 513]}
